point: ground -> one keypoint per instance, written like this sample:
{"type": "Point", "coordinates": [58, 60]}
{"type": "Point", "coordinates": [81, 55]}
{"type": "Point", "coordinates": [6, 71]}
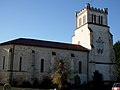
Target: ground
{"type": "Point", "coordinates": [83, 88]}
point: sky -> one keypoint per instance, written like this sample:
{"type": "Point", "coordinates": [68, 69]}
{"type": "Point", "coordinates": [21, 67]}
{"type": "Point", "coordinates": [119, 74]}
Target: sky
{"type": "Point", "coordinates": [51, 20]}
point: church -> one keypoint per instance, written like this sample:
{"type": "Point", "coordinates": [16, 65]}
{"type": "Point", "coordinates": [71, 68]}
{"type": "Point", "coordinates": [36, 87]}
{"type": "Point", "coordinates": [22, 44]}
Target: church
{"type": "Point", "coordinates": [25, 59]}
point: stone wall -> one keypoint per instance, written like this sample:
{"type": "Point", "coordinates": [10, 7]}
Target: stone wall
{"type": "Point", "coordinates": [27, 63]}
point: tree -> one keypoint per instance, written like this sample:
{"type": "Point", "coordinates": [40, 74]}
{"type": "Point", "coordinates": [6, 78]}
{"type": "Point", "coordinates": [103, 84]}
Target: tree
{"type": "Point", "coordinates": [97, 79]}
{"type": "Point", "coordinates": [117, 55]}
{"type": "Point", "coordinates": [59, 77]}
{"type": "Point", "coordinates": [77, 81]}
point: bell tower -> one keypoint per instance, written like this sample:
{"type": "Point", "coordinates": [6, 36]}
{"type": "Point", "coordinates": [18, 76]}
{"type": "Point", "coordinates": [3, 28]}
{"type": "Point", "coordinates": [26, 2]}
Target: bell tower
{"type": "Point", "coordinates": [89, 20]}
{"type": "Point", "coordinates": [92, 32]}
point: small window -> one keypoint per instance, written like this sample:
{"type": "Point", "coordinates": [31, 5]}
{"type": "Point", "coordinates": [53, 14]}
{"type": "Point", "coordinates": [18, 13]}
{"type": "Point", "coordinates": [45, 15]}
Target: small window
{"type": "Point", "coordinates": [80, 67]}
{"type": "Point", "coordinates": [100, 51]}
{"type": "Point", "coordinates": [10, 50]}
{"type": "Point", "coordinates": [3, 62]}
{"type": "Point", "coordinates": [42, 65]}
{"type": "Point", "coordinates": [82, 30]}
{"type": "Point", "coordinates": [78, 42]}
{"type": "Point", "coordinates": [92, 45]}
{"type": "Point", "coordinates": [53, 53]}
{"type": "Point", "coordinates": [33, 51]}
{"type": "Point", "coordinates": [72, 55]}
{"type": "Point", "coordinates": [20, 64]}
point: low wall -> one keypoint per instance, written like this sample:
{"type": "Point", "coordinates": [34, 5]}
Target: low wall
{"type": "Point", "coordinates": [14, 88]}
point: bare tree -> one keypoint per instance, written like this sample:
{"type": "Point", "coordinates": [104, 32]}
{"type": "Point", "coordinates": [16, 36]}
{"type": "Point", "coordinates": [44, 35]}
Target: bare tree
{"type": "Point", "coordinates": [59, 76]}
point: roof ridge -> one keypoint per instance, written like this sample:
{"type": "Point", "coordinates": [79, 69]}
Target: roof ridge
{"type": "Point", "coordinates": [44, 43]}
{"type": "Point", "coordinates": [43, 40]}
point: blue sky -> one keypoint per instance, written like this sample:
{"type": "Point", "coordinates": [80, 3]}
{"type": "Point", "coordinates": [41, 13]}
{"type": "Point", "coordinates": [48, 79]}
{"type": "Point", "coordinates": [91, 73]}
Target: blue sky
{"type": "Point", "coordinates": [52, 20]}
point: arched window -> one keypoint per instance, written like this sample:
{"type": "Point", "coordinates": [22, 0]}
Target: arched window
{"type": "Point", "coordinates": [80, 67]}
{"type": "Point", "coordinates": [99, 19]}
{"type": "Point", "coordinates": [3, 62]}
{"type": "Point", "coordinates": [94, 20]}
{"type": "Point", "coordinates": [42, 65]}
{"type": "Point", "coordinates": [20, 64]}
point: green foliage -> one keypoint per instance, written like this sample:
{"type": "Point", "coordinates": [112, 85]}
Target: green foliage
{"type": "Point", "coordinates": [97, 79]}
{"type": "Point", "coordinates": [46, 83]}
{"type": "Point", "coordinates": [117, 50]}
{"type": "Point", "coordinates": [26, 84]}
{"type": "Point", "coordinates": [77, 81]}
{"type": "Point", "coordinates": [117, 56]}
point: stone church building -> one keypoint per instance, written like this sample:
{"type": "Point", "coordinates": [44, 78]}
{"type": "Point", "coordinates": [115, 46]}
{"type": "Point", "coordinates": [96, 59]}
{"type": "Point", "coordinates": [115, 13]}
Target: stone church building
{"type": "Point", "coordinates": [25, 59]}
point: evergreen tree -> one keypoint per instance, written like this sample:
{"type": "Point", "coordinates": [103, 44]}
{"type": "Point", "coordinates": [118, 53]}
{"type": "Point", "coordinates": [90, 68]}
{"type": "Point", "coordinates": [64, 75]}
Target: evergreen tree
{"type": "Point", "coordinates": [117, 55]}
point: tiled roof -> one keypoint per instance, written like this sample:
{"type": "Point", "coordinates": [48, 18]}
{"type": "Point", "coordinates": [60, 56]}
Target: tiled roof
{"type": "Point", "coordinates": [42, 43]}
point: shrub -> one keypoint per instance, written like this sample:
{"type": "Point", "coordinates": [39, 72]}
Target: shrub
{"type": "Point", "coordinates": [26, 84]}
{"type": "Point", "coordinates": [97, 79]}
{"type": "Point", "coordinates": [46, 83]}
